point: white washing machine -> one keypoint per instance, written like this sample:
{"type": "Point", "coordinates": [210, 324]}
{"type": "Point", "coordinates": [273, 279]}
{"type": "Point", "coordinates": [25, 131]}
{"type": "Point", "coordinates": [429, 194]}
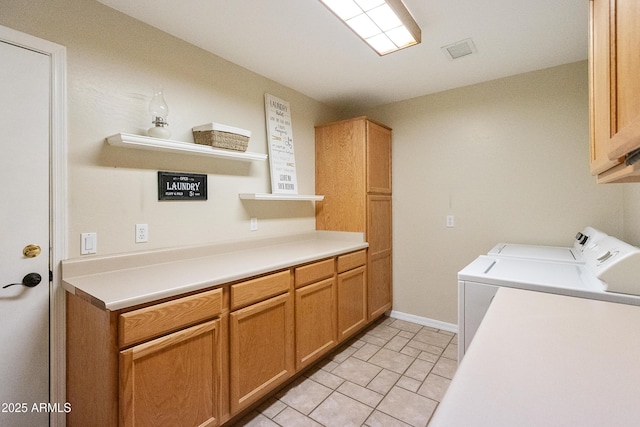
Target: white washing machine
{"type": "Point", "coordinates": [610, 271]}
{"type": "Point", "coordinates": [584, 241]}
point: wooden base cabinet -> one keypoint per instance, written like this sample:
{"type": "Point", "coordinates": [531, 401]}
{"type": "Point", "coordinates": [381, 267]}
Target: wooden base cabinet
{"type": "Point", "coordinates": [206, 358]}
{"type": "Point", "coordinates": [352, 294]}
{"type": "Point", "coordinates": [260, 339]}
{"type": "Point", "coordinates": [161, 364]}
{"type": "Point", "coordinates": [352, 307]}
{"type": "Point", "coordinates": [173, 380]}
{"type": "Point", "coordinates": [316, 317]}
{"type": "Point", "coordinates": [315, 321]}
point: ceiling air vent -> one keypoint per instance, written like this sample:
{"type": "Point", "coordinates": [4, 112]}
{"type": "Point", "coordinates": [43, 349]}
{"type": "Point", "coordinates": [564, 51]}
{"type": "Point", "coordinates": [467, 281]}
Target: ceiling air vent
{"type": "Point", "coordinates": [459, 49]}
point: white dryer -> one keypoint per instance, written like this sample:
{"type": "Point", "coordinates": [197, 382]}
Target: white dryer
{"type": "Point", "coordinates": [610, 271]}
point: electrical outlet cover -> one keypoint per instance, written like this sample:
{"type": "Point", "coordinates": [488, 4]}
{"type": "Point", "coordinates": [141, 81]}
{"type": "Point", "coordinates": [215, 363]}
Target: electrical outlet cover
{"type": "Point", "coordinates": [142, 233]}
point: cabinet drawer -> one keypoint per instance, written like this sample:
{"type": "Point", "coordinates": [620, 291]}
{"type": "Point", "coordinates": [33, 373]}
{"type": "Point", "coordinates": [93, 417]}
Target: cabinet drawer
{"type": "Point", "coordinates": [255, 290]}
{"type": "Point", "coordinates": [352, 260]}
{"type": "Point", "coordinates": [145, 323]}
{"type": "Point", "coordinates": [314, 272]}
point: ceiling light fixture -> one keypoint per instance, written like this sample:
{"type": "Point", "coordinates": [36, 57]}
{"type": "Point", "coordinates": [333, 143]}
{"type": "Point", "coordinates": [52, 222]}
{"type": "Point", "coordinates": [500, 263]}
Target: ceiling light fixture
{"type": "Point", "coordinates": [385, 25]}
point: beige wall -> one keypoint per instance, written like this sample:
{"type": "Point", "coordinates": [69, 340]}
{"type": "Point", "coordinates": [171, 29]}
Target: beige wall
{"type": "Point", "coordinates": [509, 159]}
{"type": "Point", "coordinates": [114, 62]}
{"type": "Point", "coordinates": [632, 213]}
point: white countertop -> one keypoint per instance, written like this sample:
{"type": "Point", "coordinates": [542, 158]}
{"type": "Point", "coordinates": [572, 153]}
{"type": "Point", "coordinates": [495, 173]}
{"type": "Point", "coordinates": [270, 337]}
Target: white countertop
{"type": "Point", "coordinates": [120, 281]}
{"type": "Point", "coordinates": [542, 359]}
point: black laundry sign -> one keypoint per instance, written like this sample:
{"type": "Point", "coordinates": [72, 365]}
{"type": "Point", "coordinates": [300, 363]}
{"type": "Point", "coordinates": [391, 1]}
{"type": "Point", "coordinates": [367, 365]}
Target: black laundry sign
{"type": "Point", "coordinates": [182, 186]}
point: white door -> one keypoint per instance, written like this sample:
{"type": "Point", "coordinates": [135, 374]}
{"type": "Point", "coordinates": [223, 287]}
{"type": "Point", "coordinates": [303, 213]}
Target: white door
{"type": "Point", "coordinates": [24, 221]}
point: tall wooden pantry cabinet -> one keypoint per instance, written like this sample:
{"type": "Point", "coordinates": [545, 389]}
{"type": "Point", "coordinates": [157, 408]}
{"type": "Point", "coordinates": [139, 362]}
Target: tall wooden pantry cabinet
{"type": "Point", "coordinates": [353, 172]}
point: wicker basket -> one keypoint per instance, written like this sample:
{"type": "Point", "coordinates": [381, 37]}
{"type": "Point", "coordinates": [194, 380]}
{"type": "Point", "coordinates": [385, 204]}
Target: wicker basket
{"type": "Point", "coordinates": [222, 136]}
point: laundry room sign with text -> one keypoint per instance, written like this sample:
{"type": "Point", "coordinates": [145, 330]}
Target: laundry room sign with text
{"type": "Point", "coordinates": [182, 186]}
{"type": "Point", "coordinates": [282, 159]}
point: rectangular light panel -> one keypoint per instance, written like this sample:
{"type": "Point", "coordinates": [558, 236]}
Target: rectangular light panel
{"type": "Point", "coordinates": [385, 25]}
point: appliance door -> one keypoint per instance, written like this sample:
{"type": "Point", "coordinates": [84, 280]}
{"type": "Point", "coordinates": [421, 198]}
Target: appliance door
{"type": "Point", "coordinates": [549, 253]}
{"type": "Point", "coordinates": [535, 275]}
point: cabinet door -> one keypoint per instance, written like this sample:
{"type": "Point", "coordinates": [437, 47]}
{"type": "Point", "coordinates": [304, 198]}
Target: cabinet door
{"type": "Point", "coordinates": [379, 236]}
{"type": "Point", "coordinates": [260, 349]}
{"type": "Point", "coordinates": [614, 89]}
{"type": "Point", "coordinates": [625, 69]}
{"type": "Point", "coordinates": [316, 330]}
{"type": "Point", "coordinates": [340, 176]}
{"type": "Point", "coordinates": [352, 307]}
{"type": "Point", "coordinates": [353, 158]}
{"type": "Point", "coordinates": [378, 159]}
{"type": "Point", "coordinates": [379, 293]}
{"type": "Point", "coordinates": [599, 88]}
{"type": "Point", "coordinates": [173, 380]}
{"type": "Point", "coordinates": [379, 233]}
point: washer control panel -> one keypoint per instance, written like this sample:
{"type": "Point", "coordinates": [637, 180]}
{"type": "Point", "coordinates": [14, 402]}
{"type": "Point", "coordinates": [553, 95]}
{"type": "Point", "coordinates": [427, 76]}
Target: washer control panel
{"type": "Point", "coordinates": [617, 264]}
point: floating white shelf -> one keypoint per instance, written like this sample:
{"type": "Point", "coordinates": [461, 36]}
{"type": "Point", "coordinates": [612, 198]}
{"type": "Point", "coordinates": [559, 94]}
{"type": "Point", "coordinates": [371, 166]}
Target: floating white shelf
{"type": "Point", "coordinates": [266, 196]}
{"type": "Point", "coordinates": [170, 146]}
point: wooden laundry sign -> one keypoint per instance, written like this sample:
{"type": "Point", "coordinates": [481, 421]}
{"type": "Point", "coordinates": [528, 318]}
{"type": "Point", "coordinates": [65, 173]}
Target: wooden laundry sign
{"type": "Point", "coordinates": [282, 159]}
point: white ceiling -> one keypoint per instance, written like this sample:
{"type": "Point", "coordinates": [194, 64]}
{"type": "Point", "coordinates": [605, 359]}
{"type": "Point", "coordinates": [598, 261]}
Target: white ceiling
{"type": "Point", "coordinates": [302, 45]}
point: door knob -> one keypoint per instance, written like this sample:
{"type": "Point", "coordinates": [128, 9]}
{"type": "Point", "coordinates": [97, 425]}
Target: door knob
{"type": "Point", "coordinates": [31, 251]}
{"type": "Point", "coordinates": [30, 280]}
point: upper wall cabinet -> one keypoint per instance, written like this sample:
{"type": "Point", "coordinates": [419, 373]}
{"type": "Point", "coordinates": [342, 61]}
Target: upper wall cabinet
{"type": "Point", "coordinates": [614, 67]}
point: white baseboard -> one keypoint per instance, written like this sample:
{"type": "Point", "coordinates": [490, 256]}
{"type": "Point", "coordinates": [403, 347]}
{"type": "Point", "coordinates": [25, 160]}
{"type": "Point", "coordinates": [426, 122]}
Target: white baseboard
{"type": "Point", "coordinates": [424, 321]}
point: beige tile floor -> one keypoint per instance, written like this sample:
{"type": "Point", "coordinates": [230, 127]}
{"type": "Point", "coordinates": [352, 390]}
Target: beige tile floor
{"type": "Point", "coordinates": [393, 374]}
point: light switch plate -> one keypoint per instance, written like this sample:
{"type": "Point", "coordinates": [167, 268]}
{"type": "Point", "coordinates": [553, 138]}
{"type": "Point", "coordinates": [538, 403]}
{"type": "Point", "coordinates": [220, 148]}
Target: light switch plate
{"type": "Point", "coordinates": [88, 243]}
